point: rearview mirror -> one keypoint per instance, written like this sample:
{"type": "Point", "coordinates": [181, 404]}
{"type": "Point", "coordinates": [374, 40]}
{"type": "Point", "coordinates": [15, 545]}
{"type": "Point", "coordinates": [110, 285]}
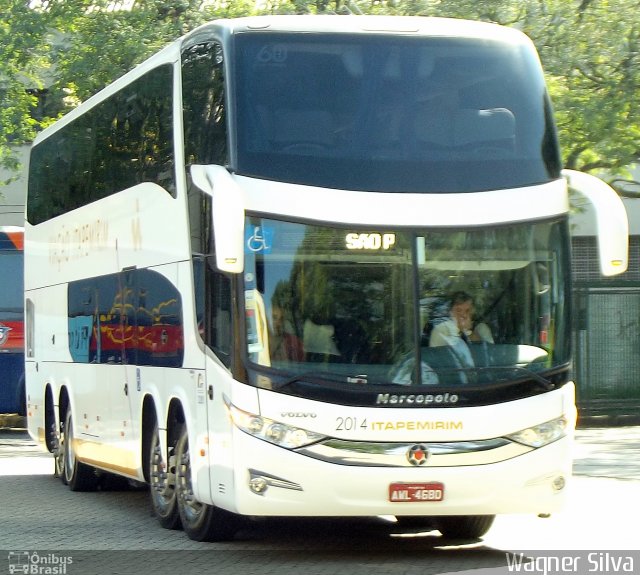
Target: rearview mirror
{"type": "Point", "coordinates": [612, 225]}
{"type": "Point", "coordinates": [227, 207]}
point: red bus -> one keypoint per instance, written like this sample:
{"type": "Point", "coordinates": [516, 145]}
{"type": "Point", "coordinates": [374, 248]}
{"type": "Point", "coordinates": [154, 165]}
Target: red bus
{"type": "Point", "coordinates": [12, 394]}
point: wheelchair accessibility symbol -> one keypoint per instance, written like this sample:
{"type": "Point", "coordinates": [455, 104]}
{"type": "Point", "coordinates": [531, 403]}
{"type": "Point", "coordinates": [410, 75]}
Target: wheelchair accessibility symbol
{"type": "Point", "coordinates": [259, 239]}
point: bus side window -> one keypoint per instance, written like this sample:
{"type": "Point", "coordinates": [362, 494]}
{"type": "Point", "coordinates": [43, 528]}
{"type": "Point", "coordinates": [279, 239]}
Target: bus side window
{"type": "Point", "coordinates": [205, 136]}
{"type": "Point", "coordinates": [211, 286]}
{"type": "Point", "coordinates": [218, 306]}
{"type": "Point", "coordinates": [30, 328]}
{"type": "Point", "coordinates": [203, 105]}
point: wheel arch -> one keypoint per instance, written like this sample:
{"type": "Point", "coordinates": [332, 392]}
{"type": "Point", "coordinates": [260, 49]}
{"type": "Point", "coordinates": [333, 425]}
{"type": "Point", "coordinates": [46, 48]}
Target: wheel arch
{"type": "Point", "coordinates": [149, 421]}
{"type": "Point", "coordinates": [175, 421]}
{"type": "Point", "coordinates": [64, 402]}
{"type": "Point", "coordinates": [51, 423]}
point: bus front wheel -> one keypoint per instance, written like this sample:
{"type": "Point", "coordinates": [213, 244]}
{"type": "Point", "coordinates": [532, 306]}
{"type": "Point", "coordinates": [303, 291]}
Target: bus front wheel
{"type": "Point", "coordinates": [201, 522]}
{"type": "Point", "coordinates": [464, 526]}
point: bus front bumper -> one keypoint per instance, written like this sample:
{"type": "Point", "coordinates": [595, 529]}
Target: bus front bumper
{"type": "Point", "coordinates": [272, 481]}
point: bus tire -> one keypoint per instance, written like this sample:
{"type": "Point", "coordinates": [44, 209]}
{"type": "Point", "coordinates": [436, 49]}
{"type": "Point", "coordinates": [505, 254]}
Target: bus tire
{"type": "Point", "coordinates": [162, 483]}
{"type": "Point", "coordinates": [464, 526]}
{"type": "Point", "coordinates": [55, 442]}
{"type": "Point", "coordinates": [78, 476]}
{"type": "Point", "coordinates": [201, 522]}
{"type": "Point", "coordinates": [58, 460]}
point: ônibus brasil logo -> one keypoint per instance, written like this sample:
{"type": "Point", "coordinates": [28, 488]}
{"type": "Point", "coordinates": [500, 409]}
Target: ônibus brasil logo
{"type": "Point", "coordinates": [34, 563]}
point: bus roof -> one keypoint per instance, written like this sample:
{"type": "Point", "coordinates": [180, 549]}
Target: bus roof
{"type": "Point", "coordinates": [395, 25]}
{"type": "Point", "coordinates": [400, 25]}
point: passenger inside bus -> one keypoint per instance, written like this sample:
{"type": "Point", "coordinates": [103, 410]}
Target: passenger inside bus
{"type": "Point", "coordinates": [283, 342]}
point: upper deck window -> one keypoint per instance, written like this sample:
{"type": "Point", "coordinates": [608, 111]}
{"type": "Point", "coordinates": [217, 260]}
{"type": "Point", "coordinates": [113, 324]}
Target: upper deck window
{"type": "Point", "coordinates": [392, 114]}
{"type": "Point", "coordinates": [123, 141]}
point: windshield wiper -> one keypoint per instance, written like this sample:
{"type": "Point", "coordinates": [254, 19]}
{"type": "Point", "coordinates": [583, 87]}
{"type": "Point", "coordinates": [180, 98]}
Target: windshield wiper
{"type": "Point", "coordinates": [323, 378]}
{"type": "Point", "coordinates": [306, 377]}
{"type": "Point", "coordinates": [546, 383]}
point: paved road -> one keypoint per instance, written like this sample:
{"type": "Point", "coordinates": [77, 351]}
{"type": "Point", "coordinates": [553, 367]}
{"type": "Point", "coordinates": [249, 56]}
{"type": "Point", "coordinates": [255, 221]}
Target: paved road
{"type": "Point", "coordinates": [113, 532]}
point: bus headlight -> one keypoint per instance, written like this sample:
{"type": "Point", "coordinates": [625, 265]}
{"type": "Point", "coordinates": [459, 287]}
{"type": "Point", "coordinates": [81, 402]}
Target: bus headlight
{"type": "Point", "coordinates": [272, 431]}
{"type": "Point", "coordinates": [541, 435]}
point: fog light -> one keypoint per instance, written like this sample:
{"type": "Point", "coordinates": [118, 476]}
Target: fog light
{"type": "Point", "coordinates": [260, 481]}
{"type": "Point", "coordinates": [558, 483]}
{"type": "Point", "coordinates": [258, 485]}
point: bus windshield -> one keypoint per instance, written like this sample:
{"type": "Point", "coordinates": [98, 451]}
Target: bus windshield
{"type": "Point", "coordinates": [361, 306]}
{"type": "Point", "coordinates": [392, 114]}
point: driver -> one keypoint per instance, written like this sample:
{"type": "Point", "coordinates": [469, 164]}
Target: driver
{"type": "Point", "coordinates": [459, 326]}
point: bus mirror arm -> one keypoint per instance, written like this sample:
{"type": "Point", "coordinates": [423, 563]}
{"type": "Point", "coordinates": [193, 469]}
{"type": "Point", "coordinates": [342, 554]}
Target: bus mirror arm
{"type": "Point", "coordinates": [612, 224]}
{"type": "Point", "coordinates": [227, 207]}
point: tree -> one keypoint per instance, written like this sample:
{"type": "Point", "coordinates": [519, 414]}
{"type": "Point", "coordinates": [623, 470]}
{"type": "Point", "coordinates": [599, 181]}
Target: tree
{"type": "Point", "coordinates": [21, 35]}
{"type": "Point", "coordinates": [591, 53]}
{"type": "Point", "coordinates": [590, 50]}
{"type": "Point", "coordinates": [56, 53]}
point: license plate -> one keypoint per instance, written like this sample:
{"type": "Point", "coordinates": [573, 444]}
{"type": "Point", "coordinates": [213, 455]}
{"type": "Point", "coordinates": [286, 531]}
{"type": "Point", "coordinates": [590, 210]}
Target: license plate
{"type": "Point", "coordinates": [416, 492]}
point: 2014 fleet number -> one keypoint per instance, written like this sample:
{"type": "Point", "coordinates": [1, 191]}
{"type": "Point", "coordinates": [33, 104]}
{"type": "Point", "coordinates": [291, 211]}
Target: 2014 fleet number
{"type": "Point", "coordinates": [350, 423]}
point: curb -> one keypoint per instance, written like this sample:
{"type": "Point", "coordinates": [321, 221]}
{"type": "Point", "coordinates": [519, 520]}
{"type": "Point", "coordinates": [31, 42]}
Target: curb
{"type": "Point", "coordinates": [607, 420]}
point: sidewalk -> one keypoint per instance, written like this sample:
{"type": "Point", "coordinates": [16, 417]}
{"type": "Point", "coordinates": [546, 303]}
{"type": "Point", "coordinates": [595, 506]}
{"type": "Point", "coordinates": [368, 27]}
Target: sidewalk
{"type": "Point", "coordinates": [612, 452]}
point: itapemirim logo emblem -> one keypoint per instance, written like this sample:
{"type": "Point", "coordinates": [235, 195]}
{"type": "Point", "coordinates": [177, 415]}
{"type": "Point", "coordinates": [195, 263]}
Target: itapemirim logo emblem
{"type": "Point", "coordinates": [418, 454]}
{"type": "Point", "coordinates": [34, 563]}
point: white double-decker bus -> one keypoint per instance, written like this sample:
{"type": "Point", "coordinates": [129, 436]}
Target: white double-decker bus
{"type": "Point", "coordinates": [311, 266]}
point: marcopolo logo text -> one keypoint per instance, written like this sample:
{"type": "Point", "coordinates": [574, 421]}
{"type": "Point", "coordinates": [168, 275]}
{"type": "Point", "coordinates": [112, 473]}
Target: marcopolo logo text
{"type": "Point", "coordinates": [416, 399]}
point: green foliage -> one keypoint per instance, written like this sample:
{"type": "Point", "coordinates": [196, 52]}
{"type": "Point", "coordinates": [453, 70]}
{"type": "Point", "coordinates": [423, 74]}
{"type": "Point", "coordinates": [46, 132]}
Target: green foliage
{"type": "Point", "coordinates": [590, 50]}
{"type": "Point", "coordinates": [20, 61]}
{"type": "Point", "coordinates": [591, 53]}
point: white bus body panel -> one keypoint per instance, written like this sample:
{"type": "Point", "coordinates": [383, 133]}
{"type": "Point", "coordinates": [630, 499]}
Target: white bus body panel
{"type": "Point", "coordinates": [134, 228]}
{"type": "Point", "coordinates": [420, 210]}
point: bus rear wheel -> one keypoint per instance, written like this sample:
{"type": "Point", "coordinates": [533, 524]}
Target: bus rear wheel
{"type": "Point", "coordinates": [201, 522]}
{"type": "Point", "coordinates": [78, 476]}
{"type": "Point", "coordinates": [56, 442]}
{"type": "Point", "coordinates": [464, 526]}
{"type": "Point", "coordinates": [162, 479]}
